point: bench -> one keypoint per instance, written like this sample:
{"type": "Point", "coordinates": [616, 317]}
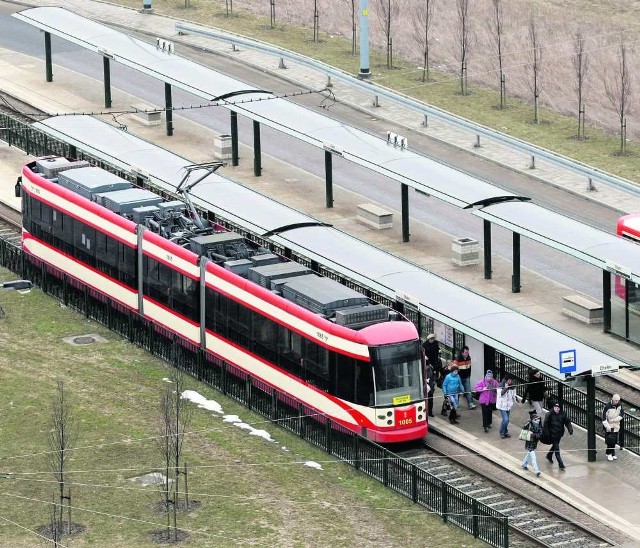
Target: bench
{"type": "Point", "coordinates": [374, 216]}
{"type": "Point", "coordinates": [147, 114]}
{"type": "Point", "coordinates": [582, 308]}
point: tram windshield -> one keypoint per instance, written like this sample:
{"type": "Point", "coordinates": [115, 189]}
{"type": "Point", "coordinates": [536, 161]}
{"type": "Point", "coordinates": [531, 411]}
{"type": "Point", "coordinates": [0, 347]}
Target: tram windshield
{"type": "Point", "coordinates": [397, 373]}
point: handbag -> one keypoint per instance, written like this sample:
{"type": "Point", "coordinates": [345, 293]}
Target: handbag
{"type": "Point", "coordinates": [545, 438]}
{"type": "Point", "coordinates": [525, 435]}
{"type": "Point", "coordinates": [446, 406]}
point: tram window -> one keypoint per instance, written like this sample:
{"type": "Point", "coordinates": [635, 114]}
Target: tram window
{"type": "Point", "coordinates": [345, 377]}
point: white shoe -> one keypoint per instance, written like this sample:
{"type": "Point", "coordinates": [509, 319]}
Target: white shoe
{"type": "Point", "coordinates": [610, 457]}
{"type": "Point", "coordinates": [615, 458]}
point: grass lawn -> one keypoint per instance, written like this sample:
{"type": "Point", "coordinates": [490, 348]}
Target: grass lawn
{"type": "Point", "coordinates": [253, 492]}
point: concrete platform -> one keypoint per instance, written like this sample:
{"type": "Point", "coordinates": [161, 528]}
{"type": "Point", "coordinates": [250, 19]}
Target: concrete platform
{"type": "Point", "coordinates": [608, 491]}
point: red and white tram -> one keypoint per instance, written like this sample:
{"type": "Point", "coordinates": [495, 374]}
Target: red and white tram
{"type": "Point", "coordinates": [326, 345]}
{"type": "Point", "coordinates": [628, 227]}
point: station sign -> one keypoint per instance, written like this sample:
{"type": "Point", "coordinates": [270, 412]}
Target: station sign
{"type": "Point", "coordinates": [618, 269]}
{"type": "Point", "coordinates": [604, 369]}
{"type": "Point", "coordinates": [567, 359]}
{"type": "Point", "coordinates": [408, 299]}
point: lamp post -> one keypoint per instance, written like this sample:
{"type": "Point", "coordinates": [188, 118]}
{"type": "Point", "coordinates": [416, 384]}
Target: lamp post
{"type": "Point", "coordinates": [364, 39]}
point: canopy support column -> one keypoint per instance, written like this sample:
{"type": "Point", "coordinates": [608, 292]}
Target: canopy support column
{"type": "Point", "coordinates": [47, 57]}
{"type": "Point", "coordinates": [405, 211]}
{"type": "Point", "coordinates": [591, 418]}
{"type": "Point", "coordinates": [168, 105]}
{"type": "Point", "coordinates": [106, 69]}
{"type": "Point", "coordinates": [487, 249]}
{"type": "Point", "coordinates": [515, 278]}
{"type": "Point", "coordinates": [606, 301]}
{"type": "Point", "coordinates": [234, 138]}
{"type": "Point", "coordinates": [257, 150]}
{"type": "Point", "coordinates": [328, 174]}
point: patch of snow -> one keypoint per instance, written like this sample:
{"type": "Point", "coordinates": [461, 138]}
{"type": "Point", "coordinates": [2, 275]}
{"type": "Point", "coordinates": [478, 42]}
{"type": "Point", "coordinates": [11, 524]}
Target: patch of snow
{"type": "Point", "coordinates": [201, 401]}
{"type": "Point", "coordinates": [313, 464]}
{"type": "Point", "coordinates": [154, 478]}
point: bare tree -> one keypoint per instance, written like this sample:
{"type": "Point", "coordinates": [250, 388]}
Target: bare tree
{"type": "Point", "coordinates": [496, 27]}
{"type": "Point", "coordinates": [387, 12]}
{"type": "Point", "coordinates": [464, 37]}
{"type": "Point", "coordinates": [535, 65]}
{"type": "Point", "coordinates": [272, 10]}
{"type": "Point", "coordinates": [316, 22]}
{"type": "Point", "coordinates": [353, 27]}
{"type": "Point", "coordinates": [229, 7]}
{"type": "Point", "coordinates": [165, 443]}
{"type": "Point", "coordinates": [62, 437]}
{"type": "Point", "coordinates": [581, 66]}
{"type": "Point", "coordinates": [618, 89]}
{"type": "Point", "coordinates": [422, 20]}
{"type": "Point", "coordinates": [175, 418]}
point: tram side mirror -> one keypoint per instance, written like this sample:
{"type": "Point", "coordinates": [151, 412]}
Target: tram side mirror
{"type": "Point", "coordinates": [18, 187]}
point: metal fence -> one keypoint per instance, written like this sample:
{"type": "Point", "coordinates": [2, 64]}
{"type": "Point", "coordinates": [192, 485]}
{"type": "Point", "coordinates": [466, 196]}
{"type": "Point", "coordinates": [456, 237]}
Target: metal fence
{"type": "Point", "coordinates": [396, 473]}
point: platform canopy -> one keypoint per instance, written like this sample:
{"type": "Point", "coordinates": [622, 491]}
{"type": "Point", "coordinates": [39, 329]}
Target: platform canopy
{"type": "Point", "coordinates": [516, 335]}
{"type": "Point", "coordinates": [400, 164]}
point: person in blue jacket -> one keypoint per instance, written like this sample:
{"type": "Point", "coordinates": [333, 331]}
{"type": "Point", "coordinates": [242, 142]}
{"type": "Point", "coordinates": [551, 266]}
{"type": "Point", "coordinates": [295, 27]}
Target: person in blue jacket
{"type": "Point", "coordinates": [452, 388]}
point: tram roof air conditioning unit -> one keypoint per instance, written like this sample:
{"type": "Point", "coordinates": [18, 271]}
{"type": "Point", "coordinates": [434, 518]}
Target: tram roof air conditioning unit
{"type": "Point", "coordinates": [125, 201]}
{"type": "Point", "coordinates": [360, 316]}
{"type": "Point", "coordinates": [51, 167]}
{"type": "Point", "coordinates": [322, 295]}
{"type": "Point", "coordinates": [264, 275]}
{"type": "Point", "coordinates": [90, 181]}
{"type": "Point", "coordinates": [265, 259]}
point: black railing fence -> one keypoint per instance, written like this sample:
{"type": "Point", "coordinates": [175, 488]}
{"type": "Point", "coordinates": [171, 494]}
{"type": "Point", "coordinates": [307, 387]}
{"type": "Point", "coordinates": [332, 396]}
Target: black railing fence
{"type": "Point", "coordinates": [372, 459]}
{"type": "Point", "coordinates": [404, 477]}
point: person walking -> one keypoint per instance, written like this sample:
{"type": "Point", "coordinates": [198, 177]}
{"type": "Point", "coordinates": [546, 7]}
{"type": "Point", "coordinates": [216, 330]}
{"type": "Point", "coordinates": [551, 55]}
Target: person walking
{"type": "Point", "coordinates": [431, 349]}
{"type": "Point", "coordinates": [463, 363]}
{"type": "Point", "coordinates": [534, 425]}
{"type": "Point", "coordinates": [429, 380]}
{"type": "Point", "coordinates": [488, 390]}
{"type": "Point", "coordinates": [452, 388]}
{"type": "Point", "coordinates": [612, 417]}
{"type": "Point", "coordinates": [554, 424]}
{"type": "Point", "coordinates": [535, 390]}
{"type": "Point", "coordinates": [505, 400]}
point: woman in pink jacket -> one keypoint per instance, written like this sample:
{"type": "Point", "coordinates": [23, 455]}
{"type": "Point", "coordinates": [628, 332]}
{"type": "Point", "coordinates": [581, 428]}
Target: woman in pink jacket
{"type": "Point", "coordinates": [487, 389]}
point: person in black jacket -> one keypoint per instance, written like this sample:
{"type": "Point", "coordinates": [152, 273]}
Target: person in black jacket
{"type": "Point", "coordinates": [535, 390]}
{"type": "Point", "coordinates": [432, 353]}
{"type": "Point", "coordinates": [429, 380]}
{"type": "Point", "coordinates": [554, 424]}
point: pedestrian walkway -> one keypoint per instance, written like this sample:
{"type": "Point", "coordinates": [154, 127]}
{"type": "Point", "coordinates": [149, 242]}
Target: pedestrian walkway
{"type": "Point", "coordinates": [606, 491]}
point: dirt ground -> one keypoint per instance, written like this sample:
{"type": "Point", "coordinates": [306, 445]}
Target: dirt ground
{"type": "Point", "coordinates": [605, 24]}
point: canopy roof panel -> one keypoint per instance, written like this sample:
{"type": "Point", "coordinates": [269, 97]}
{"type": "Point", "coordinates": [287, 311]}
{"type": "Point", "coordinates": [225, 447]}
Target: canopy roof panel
{"type": "Point", "coordinates": [490, 322]}
{"type": "Point", "coordinates": [358, 146]}
{"type": "Point", "coordinates": [595, 246]}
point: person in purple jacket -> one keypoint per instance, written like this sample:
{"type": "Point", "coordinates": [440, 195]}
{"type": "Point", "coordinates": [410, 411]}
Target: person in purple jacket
{"type": "Point", "coordinates": [486, 388]}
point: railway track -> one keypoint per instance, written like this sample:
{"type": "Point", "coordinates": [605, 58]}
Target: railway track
{"type": "Point", "coordinates": [536, 518]}
{"type": "Point", "coordinates": [10, 225]}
